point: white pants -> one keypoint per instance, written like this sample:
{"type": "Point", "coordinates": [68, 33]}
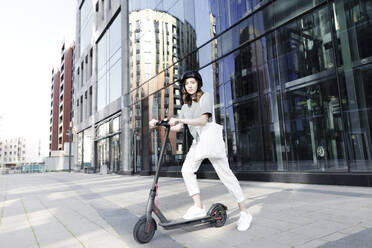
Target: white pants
{"type": "Point", "coordinates": [221, 165]}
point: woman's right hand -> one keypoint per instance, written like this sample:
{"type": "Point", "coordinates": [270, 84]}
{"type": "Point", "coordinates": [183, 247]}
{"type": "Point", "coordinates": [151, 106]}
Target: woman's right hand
{"type": "Point", "coordinates": [152, 123]}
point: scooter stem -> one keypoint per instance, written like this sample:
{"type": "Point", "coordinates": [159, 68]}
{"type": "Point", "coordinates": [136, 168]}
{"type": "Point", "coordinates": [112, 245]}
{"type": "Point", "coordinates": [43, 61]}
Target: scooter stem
{"type": "Point", "coordinates": [160, 159]}
{"type": "Point", "coordinates": [150, 202]}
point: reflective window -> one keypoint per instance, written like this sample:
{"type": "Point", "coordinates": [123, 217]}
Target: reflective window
{"type": "Point", "coordinates": [84, 152]}
{"type": "Point", "coordinates": [285, 10]}
{"type": "Point", "coordinates": [107, 146]}
{"type": "Point", "coordinates": [165, 33]}
{"type": "Point", "coordinates": [269, 107]}
{"type": "Point", "coordinates": [102, 155]}
{"type": "Point", "coordinates": [115, 159]}
{"type": "Point", "coordinates": [266, 49]}
{"type": "Point", "coordinates": [115, 81]}
{"type": "Point", "coordinates": [115, 36]}
{"type": "Point", "coordinates": [207, 74]}
{"type": "Point", "coordinates": [272, 157]}
{"type": "Point", "coordinates": [205, 54]}
{"type": "Point", "coordinates": [87, 150]}
{"type": "Point", "coordinates": [219, 99]}
{"type": "Point", "coordinates": [228, 94]}
{"type": "Point", "coordinates": [304, 46]}
{"type": "Point", "coordinates": [244, 136]}
{"type": "Point", "coordinates": [214, 13]}
{"type": "Point", "coordinates": [246, 76]}
{"type": "Point", "coordinates": [228, 70]}
{"type": "Point", "coordinates": [86, 25]}
{"type": "Point", "coordinates": [268, 77]}
{"type": "Point", "coordinates": [109, 65]}
{"type": "Point", "coordinates": [353, 20]}
{"type": "Point", "coordinates": [245, 30]}
{"type": "Point", "coordinates": [263, 20]}
{"type": "Point", "coordinates": [357, 103]}
{"type": "Point", "coordinates": [272, 132]}
{"type": "Point", "coordinates": [101, 93]}
{"type": "Point", "coordinates": [205, 21]}
{"type": "Point", "coordinates": [229, 11]}
{"type": "Point", "coordinates": [79, 149]}
{"type": "Point", "coordinates": [102, 55]}
{"type": "Point", "coordinates": [224, 14]}
{"type": "Point", "coordinates": [116, 124]}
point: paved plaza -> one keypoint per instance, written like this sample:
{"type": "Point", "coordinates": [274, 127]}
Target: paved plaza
{"type": "Point", "coordinates": [93, 210]}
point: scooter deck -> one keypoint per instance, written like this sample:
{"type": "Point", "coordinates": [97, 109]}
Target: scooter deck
{"type": "Point", "coordinates": [178, 223]}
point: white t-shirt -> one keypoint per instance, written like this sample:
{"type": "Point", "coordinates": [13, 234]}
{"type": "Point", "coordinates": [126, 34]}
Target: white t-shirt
{"type": "Point", "coordinates": [196, 109]}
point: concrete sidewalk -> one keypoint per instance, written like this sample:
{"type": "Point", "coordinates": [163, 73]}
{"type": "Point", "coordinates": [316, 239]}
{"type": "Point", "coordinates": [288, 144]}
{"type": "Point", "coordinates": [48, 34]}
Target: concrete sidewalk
{"type": "Point", "coordinates": [92, 210]}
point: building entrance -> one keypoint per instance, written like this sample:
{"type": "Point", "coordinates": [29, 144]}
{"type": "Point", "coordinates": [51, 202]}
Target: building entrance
{"type": "Point", "coordinates": [313, 127]}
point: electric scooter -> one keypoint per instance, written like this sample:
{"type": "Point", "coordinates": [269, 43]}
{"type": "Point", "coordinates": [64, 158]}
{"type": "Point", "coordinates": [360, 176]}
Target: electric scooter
{"type": "Point", "coordinates": [145, 227]}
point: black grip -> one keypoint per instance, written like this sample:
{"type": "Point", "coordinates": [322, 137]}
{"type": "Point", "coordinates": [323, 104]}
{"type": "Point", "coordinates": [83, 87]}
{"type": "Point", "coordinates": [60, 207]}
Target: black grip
{"type": "Point", "coordinates": [162, 123]}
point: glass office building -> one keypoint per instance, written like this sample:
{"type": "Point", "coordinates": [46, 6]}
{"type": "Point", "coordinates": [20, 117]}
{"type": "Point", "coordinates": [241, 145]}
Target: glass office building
{"type": "Point", "coordinates": [291, 80]}
{"type": "Point", "coordinates": [98, 86]}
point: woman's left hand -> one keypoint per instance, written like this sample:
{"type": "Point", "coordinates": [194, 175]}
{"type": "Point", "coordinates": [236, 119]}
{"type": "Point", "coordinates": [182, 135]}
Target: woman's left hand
{"type": "Point", "coordinates": [173, 121]}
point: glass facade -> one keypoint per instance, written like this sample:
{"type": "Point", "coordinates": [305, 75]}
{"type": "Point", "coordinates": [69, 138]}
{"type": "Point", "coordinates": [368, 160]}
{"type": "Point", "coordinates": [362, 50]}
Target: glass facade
{"type": "Point", "coordinates": [291, 80]}
{"type": "Point", "coordinates": [109, 65]}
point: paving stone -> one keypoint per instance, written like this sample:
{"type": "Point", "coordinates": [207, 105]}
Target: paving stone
{"type": "Point", "coordinates": [311, 244]}
{"type": "Point", "coordinates": [334, 236]}
{"type": "Point", "coordinates": [362, 239]}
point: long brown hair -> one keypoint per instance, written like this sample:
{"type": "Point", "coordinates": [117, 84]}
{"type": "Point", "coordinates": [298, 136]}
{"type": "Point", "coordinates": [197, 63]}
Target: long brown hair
{"type": "Point", "coordinates": [187, 98]}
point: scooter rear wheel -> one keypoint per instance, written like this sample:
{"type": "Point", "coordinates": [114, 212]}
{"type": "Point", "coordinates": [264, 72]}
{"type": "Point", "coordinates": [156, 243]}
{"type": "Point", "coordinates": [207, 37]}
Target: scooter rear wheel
{"type": "Point", "coordinates": [142, 232]}
{"type": "Point", "coordinates": [219, 216]}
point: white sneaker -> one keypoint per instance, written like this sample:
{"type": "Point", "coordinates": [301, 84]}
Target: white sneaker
{"type": "Point", "coordinates": [194, 212]}
{"type": "Point", "coordinates": [244, 221]}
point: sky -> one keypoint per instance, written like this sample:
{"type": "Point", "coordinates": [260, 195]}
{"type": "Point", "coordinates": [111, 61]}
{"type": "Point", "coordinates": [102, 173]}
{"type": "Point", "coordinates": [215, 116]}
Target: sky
{"type": "Point", "coordinates": [32, 33]}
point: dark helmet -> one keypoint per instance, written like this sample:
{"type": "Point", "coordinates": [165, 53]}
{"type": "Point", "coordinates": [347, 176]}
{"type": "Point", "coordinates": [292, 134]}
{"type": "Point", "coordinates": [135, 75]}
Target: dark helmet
{"type": "Point", "coordinates": [192, 74]}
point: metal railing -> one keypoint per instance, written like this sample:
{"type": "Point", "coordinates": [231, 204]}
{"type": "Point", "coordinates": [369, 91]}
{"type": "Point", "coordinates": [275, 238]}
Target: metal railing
{"type": "Point", "coordinates": [24, 168]}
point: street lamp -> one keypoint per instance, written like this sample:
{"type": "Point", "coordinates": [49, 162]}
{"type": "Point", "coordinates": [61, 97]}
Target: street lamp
{"type": "Point", "coordinates": [69, 146]}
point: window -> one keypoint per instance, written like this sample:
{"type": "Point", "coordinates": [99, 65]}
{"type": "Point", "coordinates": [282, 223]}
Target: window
{"type": "Point", "coordinates": [82, 73]}
{"type": "Point", "coordinates": [86, 25]}
{"type": "Point", "coordinates": [109, 65]}
{"type": "Point", "coordinates": [353, 21]}
{"type": "Point", "coordinates": [302, 46]}
{"type": "Point", "coordinates": [90, 100]}
{"type": "Point", "coordinates": [81, 108]}
{"type": "Point", "coordinates": [103, 9]}
{"type": "Point", "coordinates": [91, 62]}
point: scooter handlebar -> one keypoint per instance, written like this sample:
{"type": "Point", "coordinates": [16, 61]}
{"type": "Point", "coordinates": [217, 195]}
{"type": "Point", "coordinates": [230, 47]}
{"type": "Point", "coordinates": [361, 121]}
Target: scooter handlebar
{"type": "Point", "coordinates": [162, 123]}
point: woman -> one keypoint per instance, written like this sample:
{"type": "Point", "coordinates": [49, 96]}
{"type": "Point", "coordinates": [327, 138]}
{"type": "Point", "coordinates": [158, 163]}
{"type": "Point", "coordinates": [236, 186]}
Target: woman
{"type": "Point", "coordinates": [197, 111]}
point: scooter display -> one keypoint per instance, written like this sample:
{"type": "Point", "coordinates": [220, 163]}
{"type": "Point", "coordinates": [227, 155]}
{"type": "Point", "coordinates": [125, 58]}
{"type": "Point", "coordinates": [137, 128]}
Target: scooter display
{"type": "Point", "coordinates": [146, 226]}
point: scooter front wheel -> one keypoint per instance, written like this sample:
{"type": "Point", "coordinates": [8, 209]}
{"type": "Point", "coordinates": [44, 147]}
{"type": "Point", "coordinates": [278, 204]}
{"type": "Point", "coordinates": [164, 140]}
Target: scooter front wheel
{"type": "Point", "coordinates": [143, 232]}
